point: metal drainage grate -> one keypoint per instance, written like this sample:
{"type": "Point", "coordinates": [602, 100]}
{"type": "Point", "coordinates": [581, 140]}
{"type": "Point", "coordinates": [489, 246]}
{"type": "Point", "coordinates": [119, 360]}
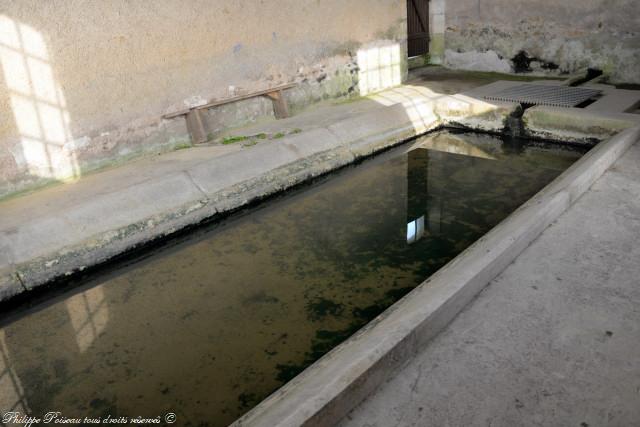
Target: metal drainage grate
{"type": "Point", "coordinates": [556, 96]}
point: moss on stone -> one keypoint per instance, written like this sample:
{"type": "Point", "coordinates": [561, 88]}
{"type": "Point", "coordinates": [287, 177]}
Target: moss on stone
{"type": "Point", "coordinates": [436, 49]}
{"type": "Point", "coordinates": [419, 61]}
{"type": "Point", "coordinates": [347, 47]}
{"type": "Point", "coordinates": [233, 139]}
{"type": "Point", "coordinates": [182, 146]}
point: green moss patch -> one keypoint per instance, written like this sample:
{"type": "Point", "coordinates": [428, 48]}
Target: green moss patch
{"type": "Point", "coordinates": [233, 139]}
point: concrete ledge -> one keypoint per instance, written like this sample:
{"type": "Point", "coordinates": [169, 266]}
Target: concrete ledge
{"type": "Point", "coordinates": [374, 131]}
{"type": "Point", "coordinates": [473, 113]}
{"type": "Point", "coordinates": [9, 284]}
{"type": "Point", "coordinates": [91, 231]}
{"type": "Point", "coordinates": [574, 124]}
{"type": "Point", "coordinates": [326, 391]}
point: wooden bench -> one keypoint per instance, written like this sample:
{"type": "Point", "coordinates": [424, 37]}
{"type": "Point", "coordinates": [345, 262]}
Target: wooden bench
{"type": "Point", "coordinates": [196, 122]}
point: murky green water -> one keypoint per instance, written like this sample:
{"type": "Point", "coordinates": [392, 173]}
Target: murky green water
{"type": "Point", "coordinates": [209, 327]}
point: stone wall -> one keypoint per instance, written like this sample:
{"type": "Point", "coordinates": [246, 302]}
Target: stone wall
{"type": "Point", "coordinates": [545, 36]}
{"type": "Point", "coordinates": [84, 83]}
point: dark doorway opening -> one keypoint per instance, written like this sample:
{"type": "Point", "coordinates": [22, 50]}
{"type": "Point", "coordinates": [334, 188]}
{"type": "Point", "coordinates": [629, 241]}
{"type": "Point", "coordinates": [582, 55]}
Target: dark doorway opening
{"type": "Point", "coordinates": [418, 27]}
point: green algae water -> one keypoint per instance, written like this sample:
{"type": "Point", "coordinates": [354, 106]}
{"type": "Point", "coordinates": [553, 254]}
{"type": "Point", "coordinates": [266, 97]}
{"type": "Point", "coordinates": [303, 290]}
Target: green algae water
{"type": "Point", "coordinates": [210, 326]}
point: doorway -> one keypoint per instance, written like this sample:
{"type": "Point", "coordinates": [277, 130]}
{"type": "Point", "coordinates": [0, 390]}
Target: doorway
{"type": "Point", "coordinates": [418, 27]}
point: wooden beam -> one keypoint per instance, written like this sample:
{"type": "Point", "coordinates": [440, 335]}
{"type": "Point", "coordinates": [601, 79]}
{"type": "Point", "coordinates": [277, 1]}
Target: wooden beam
{"type": "Point", "coordinates": [280, 107]}
{"type": "Point", "coordinates": [217, 102]}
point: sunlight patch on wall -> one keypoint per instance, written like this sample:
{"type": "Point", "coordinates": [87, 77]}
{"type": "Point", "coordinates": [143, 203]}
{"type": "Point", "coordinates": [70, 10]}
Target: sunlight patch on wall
{"type": "Point", "coordinates": [380, 68]}
{"type": "Point", "coordinates": [89, 316]}
{"type": "Point", "coordinates": [37, 102]}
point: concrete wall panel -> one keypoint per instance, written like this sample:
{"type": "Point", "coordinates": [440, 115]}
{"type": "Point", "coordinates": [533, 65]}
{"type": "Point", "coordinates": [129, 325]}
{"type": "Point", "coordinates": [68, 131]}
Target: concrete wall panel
{"type": "Point", "coordinates": [84, 83]}
{"type": "Point", "coordinates": [487, 34]}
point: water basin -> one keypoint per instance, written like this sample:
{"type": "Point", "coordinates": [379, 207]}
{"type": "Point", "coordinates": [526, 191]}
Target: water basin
{"type": "Point", "coordinates": [210, 325]}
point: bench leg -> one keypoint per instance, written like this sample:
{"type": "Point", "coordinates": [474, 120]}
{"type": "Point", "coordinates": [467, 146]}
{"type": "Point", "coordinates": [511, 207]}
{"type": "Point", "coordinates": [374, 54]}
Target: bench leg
{"type": "Point", "coordinates": [280, 107]}
{"type": "Point", "coordinates": [196, 126]}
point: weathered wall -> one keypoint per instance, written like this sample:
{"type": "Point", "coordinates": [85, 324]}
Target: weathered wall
{"type": "Point", "coordinates": [85, 82]}
{"type": "Point", "coordinates": [487, 34]}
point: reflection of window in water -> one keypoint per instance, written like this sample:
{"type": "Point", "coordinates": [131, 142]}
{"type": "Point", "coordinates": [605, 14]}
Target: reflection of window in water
{"type": "Point", "coordinates": [12, 397]}
{"type": "Point", "coordinates": [89, 315]}
{"type": "Point", "coordinates": [415, 230]}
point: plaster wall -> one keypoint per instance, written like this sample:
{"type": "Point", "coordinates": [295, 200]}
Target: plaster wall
{"type": "Point", "coordinates": [485, 35]}
{"type": "Point", "coordinates": [84, 83]}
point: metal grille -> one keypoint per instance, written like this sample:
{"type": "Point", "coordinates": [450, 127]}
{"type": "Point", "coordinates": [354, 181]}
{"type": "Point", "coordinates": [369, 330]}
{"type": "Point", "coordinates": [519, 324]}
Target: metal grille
{"type": "Point", "coordinates": [556, 96]}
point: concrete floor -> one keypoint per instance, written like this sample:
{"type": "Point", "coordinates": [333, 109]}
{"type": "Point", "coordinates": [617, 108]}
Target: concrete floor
{"type": "Point", "coordinates": [553, 341]}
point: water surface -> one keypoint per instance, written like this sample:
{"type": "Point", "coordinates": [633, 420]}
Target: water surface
{"type": "Point", "coordinates": [210, 326]}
